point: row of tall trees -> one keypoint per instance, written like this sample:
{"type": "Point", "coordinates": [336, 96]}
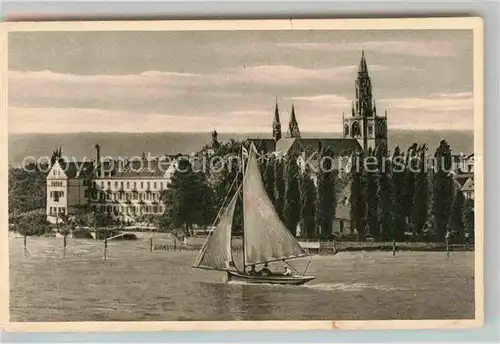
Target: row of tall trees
{"type": "Point", "coordinates": [408, 196]}
{"type": "Point", "coordinates": [298, 200]}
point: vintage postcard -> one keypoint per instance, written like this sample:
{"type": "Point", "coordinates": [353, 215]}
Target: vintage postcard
{"type": "Point", "coordinates": [230, 175]}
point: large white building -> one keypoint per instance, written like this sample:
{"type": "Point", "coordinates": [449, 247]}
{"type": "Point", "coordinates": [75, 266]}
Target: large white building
{"type": "Point", "coordinates": [122, 189]}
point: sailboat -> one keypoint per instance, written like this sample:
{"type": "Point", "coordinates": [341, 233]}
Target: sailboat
{"type": "Point", "coordinates": [266, 239]}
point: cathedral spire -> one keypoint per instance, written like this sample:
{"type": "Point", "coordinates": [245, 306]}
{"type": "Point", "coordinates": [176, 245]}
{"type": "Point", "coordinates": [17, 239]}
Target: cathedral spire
{"type": "Point", "coordinates": [363, 101]}
{"type": "Point", "coordinates": [363, 68]}
{"type": "Point", "coordinates": [276, 123]}
{"type": "Point", "coordinates": [293, 126]}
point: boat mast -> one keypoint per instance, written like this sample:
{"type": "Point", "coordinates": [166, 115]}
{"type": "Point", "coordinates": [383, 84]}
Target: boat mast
{"type": "Point", "coordinates": [243, 207]}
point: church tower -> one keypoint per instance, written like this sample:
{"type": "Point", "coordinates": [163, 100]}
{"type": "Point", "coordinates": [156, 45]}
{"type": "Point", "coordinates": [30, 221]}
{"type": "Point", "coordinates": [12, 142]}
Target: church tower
{"type": "Point", "coordinates": [276, 124]}
{"type": "Point", "coordinates": [293, 126]}
{"type": "Point", "coordinates": [364, 124]}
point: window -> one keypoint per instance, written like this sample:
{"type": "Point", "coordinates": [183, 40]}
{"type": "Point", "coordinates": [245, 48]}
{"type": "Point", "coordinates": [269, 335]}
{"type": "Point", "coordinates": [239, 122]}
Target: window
{"type": "Point", "coordinates": [102, 184]}
{"type": "Point", "coordinates": [61, 193]}
{"type": "Point", "coordinates": [128, 185]}
{"type": "Point", "coordinates": [154, 185]}
{"type": "Point", "coordinates": [135, 196]}
{"type": "Point", "coordinates": [142, 185]}
{"type": "Point", "coordinates": [161, 185]}
{"type": "Point", "coordinates": [356, 129]}
{"type": "Point", "coordinates": [135, 185]}
{"type": "Point", "coordinates": [116, 185]}
{"type": "Point", "coordinates": [109, 185]}
{"type": "Point", "coordinates": [121, 185]}
{"type": "Point", "coordinates": [86, 193]}
{"type": "Point", "coordinates": [148, 185]}
{"type": "Point", "coordinates": [85, 182]}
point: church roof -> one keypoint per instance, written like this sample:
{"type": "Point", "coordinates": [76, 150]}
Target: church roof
{"type": "Point", "coordinates": [283, 146]}
{"type": "Point", "coordinates": [336, 146]}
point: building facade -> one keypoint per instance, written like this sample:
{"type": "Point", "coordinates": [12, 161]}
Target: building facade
{"type": "Point", "coordinates": [122, 190]}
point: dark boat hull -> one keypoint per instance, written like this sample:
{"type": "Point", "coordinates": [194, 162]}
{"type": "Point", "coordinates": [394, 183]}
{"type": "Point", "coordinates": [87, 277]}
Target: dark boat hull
{"type": "Point", "coordinates": [274, 279]}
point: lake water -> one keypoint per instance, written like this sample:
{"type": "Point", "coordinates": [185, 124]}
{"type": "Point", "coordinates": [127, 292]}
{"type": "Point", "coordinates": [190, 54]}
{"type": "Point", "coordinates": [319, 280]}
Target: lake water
{"type": "Point", "coordinates": [134, 284]}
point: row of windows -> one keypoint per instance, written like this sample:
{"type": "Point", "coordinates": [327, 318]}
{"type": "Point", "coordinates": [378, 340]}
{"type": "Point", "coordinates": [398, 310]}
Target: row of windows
{"type": "Point", "coordinates": [56, 183]}
{"type": "Point", "coordinates": [133, 185]}
{"type": "Point", "coordinates": [356, 129]}
{"type": "Point", "coordinates": [131, 210]}
{"type": "Point", "coordinates": [119, 196]}
{"type": "Point", "coordinates": [56, 210]}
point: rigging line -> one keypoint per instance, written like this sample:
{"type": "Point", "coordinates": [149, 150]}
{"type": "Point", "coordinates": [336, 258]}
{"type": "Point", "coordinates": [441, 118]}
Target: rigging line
{"type": "Point", "coordinates": [216, 218]}
{"type": "Point", "coordinates": [291, 267]}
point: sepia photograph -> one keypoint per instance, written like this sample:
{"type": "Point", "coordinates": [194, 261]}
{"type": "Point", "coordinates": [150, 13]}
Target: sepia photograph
{"type": "Point", "coordinates": [309, 174]}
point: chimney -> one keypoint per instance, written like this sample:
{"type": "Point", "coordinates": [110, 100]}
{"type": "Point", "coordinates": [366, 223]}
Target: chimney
{"type": "Point", "coordinates": [98, 160]}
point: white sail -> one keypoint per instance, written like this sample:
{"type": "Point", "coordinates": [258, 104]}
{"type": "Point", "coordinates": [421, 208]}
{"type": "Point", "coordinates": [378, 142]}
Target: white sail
{"type": "Point", "coordinates": [266, 237]}
{"type": "Point", "coordinates": [216, 253]}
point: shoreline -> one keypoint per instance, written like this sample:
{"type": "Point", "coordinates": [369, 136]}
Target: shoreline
{"type": "Point", "coordinates": [165, 243]}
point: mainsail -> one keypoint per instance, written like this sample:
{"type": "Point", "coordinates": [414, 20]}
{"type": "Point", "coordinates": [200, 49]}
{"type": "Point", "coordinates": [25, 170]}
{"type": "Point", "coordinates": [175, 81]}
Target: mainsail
{"type": "Point", "coordinates": [266, 237]}
{"type": "Point", "coordinates": [216, 253]}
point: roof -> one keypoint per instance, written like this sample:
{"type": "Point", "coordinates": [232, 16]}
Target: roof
{"type": "Point", "coordinates": [77, 169]}
{"type": "Point", "coordinates": [284, 145]}
{"type": "Point", "coordinates": [336, 146]}
{"type": "Point", "coordinates": [465, 181]}
{"type": "Point", "coordinates": [343, 209]}
{"type": "Point", "coordinates": [142, 168]}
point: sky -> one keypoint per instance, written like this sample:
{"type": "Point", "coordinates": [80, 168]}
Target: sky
{"type": "Point", "coordinates": [189, 81]}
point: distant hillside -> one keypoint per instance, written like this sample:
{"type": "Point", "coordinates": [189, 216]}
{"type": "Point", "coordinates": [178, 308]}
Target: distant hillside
{"type": "Point", "coordinates": [133, 144]}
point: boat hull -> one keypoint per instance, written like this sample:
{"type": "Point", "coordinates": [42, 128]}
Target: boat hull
{"type": "Point", "coordinates": [274, 279]}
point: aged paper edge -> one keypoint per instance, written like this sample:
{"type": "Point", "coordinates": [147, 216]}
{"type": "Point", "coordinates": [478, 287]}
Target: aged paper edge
{"type": "Point", "coordinates": [462, 23]}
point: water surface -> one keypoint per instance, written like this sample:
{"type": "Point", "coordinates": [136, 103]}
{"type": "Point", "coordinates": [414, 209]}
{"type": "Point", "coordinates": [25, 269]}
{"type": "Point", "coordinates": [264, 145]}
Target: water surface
{"type": "Point", "coordinates": [136, 285]}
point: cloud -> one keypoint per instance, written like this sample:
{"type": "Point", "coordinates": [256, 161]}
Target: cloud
{"type": "Point", "coordinates": [442, 102]}
{"type": "Point", "coordinates": [59, 120]}
{"type": "Point", "coordinates": [416, 48]}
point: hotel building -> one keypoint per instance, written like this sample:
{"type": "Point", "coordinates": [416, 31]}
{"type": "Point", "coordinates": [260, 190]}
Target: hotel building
{"type": "Point", "coordinates": [122, 189]}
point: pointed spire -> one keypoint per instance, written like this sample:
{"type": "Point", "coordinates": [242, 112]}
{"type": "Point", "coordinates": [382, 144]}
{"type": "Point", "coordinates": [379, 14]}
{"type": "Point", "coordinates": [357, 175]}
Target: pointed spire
{"type": "Point", "coordinates": [363, 68]}
{"type": "Point", "coordinates": [276, 123]}
{"type": "Point", "coordinates": [293, 126]}
{"type": "Point", "coordinates": [374, 108]}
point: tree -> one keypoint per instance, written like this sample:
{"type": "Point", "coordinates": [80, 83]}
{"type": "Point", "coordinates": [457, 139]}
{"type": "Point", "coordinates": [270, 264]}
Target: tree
{"type": "Point", "coordinates": [468, 219]}
{"type": "Point", "coordinates": [27, 189]}
{"type": "Point", "coordinates": [372, 180]}
{"type": "Point", "coordinates": [385, 196]}
{"type": "Point", "coordinates": [420, 204]}
{"type": "Point", "coordinates": [411, 164]}
{"type": "Point", "coordinates": [279, 186]}
{"type": "Point", "coordinates": [268, 177]}
{"type": "Point", "coordinates": [456, 216]}
{"type": "Point", "coordinates": [292, 195]}
{"type": "Point", "coordinates": [56, 156]}
{"type": "Point", "coordinates": [325, 200]}
{"type": "Point", "coordinates": [358, 196]}
{"type": "Point", "coordinates": [32, 223]}
{"type": "Point", "coordinates": [443, 190]}
{"type": "Point", "coordinates": [307, 205]}
{"type": "Point", "coordinates": [186, 200]}
{"type": "Point", "coordinates": [398, 178]}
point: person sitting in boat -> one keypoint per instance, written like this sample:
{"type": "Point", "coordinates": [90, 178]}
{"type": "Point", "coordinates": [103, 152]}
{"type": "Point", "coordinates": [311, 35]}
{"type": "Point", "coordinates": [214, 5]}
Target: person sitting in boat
{"type": "Point", "coordinates": [287, 272]}
{"type": "Point", "coordinates": [265, 271]}
{"type": "Point", "coordinates": [252, 271]}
